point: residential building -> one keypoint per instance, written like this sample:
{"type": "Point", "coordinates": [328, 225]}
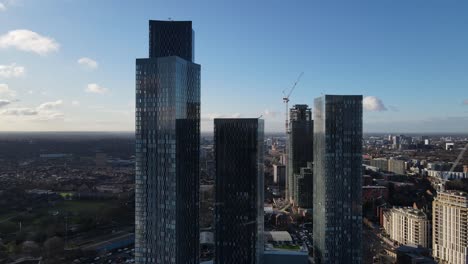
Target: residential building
{"type": "Point", "coordinates": [381, 163]}
{"type": "Point", "coordinates": [337, 194]}
{"type": "Point", "coordinates": [167, 147]}
{"type": "Point", "coordinates": [408, 226]}
{"type": "Point", "coordinates": [397, 166]}
{"type": "Point", "coordinates": [300, 146]}
{"type": "Point", "coordinates": [239, 187]}
{"type": "Point", "coordinates": [450, 227]}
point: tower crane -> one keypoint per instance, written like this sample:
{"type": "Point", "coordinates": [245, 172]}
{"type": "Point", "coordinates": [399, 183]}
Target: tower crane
{"type": "Point", "coordinates": [286, 100]}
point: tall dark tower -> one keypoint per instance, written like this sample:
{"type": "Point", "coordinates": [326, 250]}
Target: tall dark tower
{"type": "Point", "coordinates": [239, 191]}
{"type": "Point", "coordinates": [300, 148]}
{"type": "Point", "coordinates": [171, 38]}
{"type": "Point", "coordinates": [167, 148]}
{"type": "Point", "coordinates": [337, 170]}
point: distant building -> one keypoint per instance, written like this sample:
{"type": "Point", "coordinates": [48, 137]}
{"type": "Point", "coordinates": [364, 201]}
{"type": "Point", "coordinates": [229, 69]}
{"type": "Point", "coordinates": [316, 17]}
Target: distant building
{"type": "Point", "coordinates": [397, 166]}
{"type": "Point", "coordinates": [450, 227]}
{"type": "Point", "coordinates": [381, 163]}
{"type": "Point", "coordinates": [337, 210]}
{"type": "Point", "coordinates": [101, 160]}
{"type": "Point", "coordinates": [239, 207]}
{"type": "Point", "coordinates": [446, 175]}
{"type": "Point", "coordinates": [279, 175]}
{"type": "Point", "coordinates": [449, 146]}
{"type": "Point", "coordinates": [372, 193]}
{"type": "Point", "coordinates": [300, 146]}
{"type": "Point", "coordinates": [408, 226]}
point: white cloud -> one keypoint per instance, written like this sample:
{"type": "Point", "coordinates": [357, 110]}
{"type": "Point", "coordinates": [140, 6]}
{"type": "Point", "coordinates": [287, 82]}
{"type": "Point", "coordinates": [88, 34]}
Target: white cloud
{"type": "Point", "coordinates": [48, 116]}
{"type": "Point", "coordinates": [4, 103]}
{"type": "Point", "coordinates": [2, 7]}
{"type": "Point", "coordinates": [88, 62]}
{"type": "Point", "coordinates": [9, 71]}
{"type": "Point", "coordinates": [95, 88]}
{"type": "Point", "coordinates": [270, 114]}
{"type": "Point", "coordinates": [19, 112]}
{"type": "Point", "coordinates": [27, 40]}
{"type": "Point", "coordinates": [5, 90]}
{"type": "Point", "coordinates": [75, 103]}
{"type": "Point", "coordinates": [49, 105]}
{"type": "Point", "coordinates": [372, 103]}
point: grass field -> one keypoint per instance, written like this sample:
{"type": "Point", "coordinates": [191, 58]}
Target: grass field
{"type": "Point", "coordinates": [82, 207]}
{"type": "Point", "coordinates": [290, 247]}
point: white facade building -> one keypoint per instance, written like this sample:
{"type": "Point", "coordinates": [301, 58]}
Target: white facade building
{"type": "Point", "coordinates": [450, 227]}
{"type": "Point", "coordinates": [408, 226]}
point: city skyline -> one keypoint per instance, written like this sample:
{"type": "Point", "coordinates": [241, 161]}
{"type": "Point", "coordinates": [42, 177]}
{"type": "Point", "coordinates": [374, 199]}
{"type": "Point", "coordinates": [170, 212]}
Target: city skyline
{"type": "Point", "coordinates": [60, 77]}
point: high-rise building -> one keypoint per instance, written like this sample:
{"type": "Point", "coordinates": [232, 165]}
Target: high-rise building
{"type": "Point", "coordinates": [304, 184]}
{"type": "Point", "coordinates": [337, 180]}
{"type": "Point", "coordinates": [300, 146]}
{"type": "Point", "coordinates": [408, 226]}
{"type": "Point", "coordinates": [450, 227]}
{"type": "Point", "coordinates": [279, 175]}
{"type": "Point", "coordinates": [167, 147]}
{"type": "Point", "coordinates": [239, 190]}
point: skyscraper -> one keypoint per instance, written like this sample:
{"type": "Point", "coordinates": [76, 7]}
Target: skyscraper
{"type": "Point", "coordinates": [337, 179]}
{"type": "Point", "coordinates": [167, 147]}
{"type": "Point", "coordinates": [304, 185]}
{"type": "Point", "coordinates": [300, 146]}
{"type": "Point", "coordinates": [279, 175]}
{"type": "Point", "coordinates": [450, 227]}
{"type": "Point", "coordinates": [239, 191]}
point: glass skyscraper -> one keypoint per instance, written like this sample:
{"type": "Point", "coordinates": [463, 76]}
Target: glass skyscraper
{"type": "Point", "coordinates": [337, 210]}
{"type": "Point", "coordinates": [167, 147]}
{"type": "Point", "coordinates": [239, 191]}
{"type": "Point", "coordinates": [300, 147]}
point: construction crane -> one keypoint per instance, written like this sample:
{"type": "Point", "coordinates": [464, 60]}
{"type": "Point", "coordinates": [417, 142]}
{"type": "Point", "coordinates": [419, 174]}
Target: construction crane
{"type": "Point", "coordinates": [460, 156]}
{"type": "Point", "coordinates": [286, 100]}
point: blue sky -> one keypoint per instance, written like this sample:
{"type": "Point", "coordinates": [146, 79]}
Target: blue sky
{"type": "Point", "coordinates": [409, 57]}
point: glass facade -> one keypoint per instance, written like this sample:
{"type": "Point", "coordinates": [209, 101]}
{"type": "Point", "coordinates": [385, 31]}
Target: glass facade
{"type": "Point", "coordinates": [167, 160]}
{"type": "Point", "coordinates": [171, 38]}
{"type": "Point", "coordinates": [337, 210]}
{"type": "Point", "coordinates": [300, 147]}
{"type": "Point", "coordinates": [239, 191]}
{"type": "Point", "coordinates": [304, 186]}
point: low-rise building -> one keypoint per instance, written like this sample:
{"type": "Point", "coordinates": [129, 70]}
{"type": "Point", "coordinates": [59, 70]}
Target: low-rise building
{"type": "Point", "coordinates": [370, 193]}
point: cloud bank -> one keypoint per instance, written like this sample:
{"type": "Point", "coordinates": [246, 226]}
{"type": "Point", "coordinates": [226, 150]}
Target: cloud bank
{"type": "Point", "coordinates": [88, 63]}
{"type": "Point", "coordinates": [374, 104]}
{"type": "Point", "coordinates": [10, 71]}
{"type": "Point", "coordinates": [4, 103]}
{"type": "Point", "coordinates": [29, 41]}
{"type": "Point", "coordinates": [6, 91]}
{"type": "Point", "coordinates": [96, 89]}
